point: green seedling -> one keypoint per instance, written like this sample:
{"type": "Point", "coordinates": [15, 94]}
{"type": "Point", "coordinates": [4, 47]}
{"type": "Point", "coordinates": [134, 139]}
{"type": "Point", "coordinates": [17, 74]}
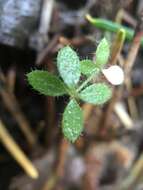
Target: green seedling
{"type": "Point", "coordinates": [110, 26]}
{"type": "Point", "coordinates": [71, 68]}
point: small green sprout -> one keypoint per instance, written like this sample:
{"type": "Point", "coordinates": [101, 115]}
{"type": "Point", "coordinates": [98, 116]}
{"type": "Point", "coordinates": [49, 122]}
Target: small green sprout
{"type": "Point", "coordinates": [110, 26]}
{"type": "Point", "coordinates": [71, 69]}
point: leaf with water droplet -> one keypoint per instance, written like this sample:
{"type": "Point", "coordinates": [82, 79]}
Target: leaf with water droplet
{"type": "Point", "coordinates": [88, 67]}
{"type": "Point", "coordinates": [46, 83]}
{"type": "Point", "coordinates": [68, 66]}
{"type": "Point", "coordinates": [72, 124]}
{"type": "Point", "coordinates": [96, 94]}
{"type": "Point", "coordinates": [102, 53]}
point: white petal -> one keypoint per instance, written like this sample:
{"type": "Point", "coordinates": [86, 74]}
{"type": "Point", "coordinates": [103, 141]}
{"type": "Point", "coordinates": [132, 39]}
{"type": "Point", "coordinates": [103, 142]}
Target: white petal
{"type": "Point", "coordinates": [114, 74]}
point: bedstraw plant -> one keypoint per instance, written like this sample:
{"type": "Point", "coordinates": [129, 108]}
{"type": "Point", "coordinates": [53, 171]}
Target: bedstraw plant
{"type": "Point", "coordinates": [69, 83]}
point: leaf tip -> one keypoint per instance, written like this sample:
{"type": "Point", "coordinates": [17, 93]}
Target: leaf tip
{"type": "Point", "coordinates": [102, 52]}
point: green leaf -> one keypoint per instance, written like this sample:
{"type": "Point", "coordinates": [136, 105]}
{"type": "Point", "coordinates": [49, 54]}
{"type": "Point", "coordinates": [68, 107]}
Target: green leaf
{"type": "Point", "coordinates": [102, 53]}
{"type": "Point", "coordinates": [68, 66]}
{"type": "Point", "coordinates": [88, 67]}
{"type": "Point", "coordinates": [96, 94]}
{"type": "Point", "coordinates": [72, 121]}
{"type": "Point", "coordinates": [46, 83]}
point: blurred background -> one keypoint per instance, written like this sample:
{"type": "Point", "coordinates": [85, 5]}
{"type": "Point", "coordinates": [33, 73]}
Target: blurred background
{"type": "Point", "coordinates": [33, 153]}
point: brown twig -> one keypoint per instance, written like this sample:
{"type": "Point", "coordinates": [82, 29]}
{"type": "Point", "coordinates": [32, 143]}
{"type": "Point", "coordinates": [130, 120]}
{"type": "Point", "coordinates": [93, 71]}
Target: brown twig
{"type": "Point", "coordinates": [46, 13]}
{"type": "Point", "coordinates": [58, 174]}
{"type": "Point", "coordinates": [131, 101]}
{"type": "Point", "coordinates": [134, 176]}
{"type": "Point", "coordinates": [87, 109]}
{"type": "Point", "coordinates": [94, 165]}
{"type": "Point", "coordinates": [106, 119]}
{"type": "Point", "coordinates": [42, 56]}
{"type": "Point", "coordinates": [124, 15]}
{"type": "Point", "coordinates": [16, 152]}
{"type": "Point", "coordinates": [11, 79]}
{"type": "Point", "coordinates": [50, 113]}
{"type": "Point", "coordinates": [137, 91]}
{"type": "Point", "coordinates": [123, 115]}
{"type": "Point", "coordinates": [12, 105]}
{"type": "Point", "coordinates": [129, 64]}
{"type": "Point", "coordinates": [74, 41]}
{"type": "Point", "coordinates": [137, 169]}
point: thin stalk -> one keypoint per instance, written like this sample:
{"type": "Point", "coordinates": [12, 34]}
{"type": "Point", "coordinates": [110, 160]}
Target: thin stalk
{"type": "Point", "coordinates": [53, 181]}
{"type": "Point", "coordinates": [17, 153]}
{"type": "Point", "coordinates": [134, 176]}
{"type": "Point", "coordinates": [85, 83]}
{"type": "Point", "coordinates": [137, 170]}
{"type": "Point", "coordinates": [117, 46]}
{"type": "Point", "coordinates": [12, 105]}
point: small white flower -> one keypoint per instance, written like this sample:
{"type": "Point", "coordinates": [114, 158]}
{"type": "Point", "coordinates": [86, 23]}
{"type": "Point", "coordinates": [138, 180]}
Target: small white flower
{"type": "Point", "coordinates": [114, 74]}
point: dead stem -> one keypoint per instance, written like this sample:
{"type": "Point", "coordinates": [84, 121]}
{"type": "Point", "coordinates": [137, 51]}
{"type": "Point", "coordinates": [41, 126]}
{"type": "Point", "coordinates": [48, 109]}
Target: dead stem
{"type": "Point", "coordinates": [134, 175]}
{"type": "Point", "coordinates": [50, 112]}
{"type": "Point", "coordinates": [136, 91]}
{"type": "Point", "coordinates": [74, 41]}
{"type": "Point", "coordinates": [94, 165]}
{"type": "Point", "coordinates": [123, 115]}
{"type": "Point", "coordinates": [42, 56]}
{"type": "Point", "coordinates": [106, 119]}
{"type": "Point", "coordinates": [50, 120]}
{"type": "Point", "coordinates": [131, 101]}
{"type": "Point", "coordinates": [128, 67]}
{"type": "Point", "coordinates": [12, 105]}
{"type": "Point", "coordinates": [138, 167]}
{"type": "Point", "coordinates": [52, 182]}
{"type": "Point", "coordinates": [11, 79]}
{"type": "Point", "coordinates": [87, 109]}
{"type": "Point", "coordinates": [47, 10]}
{"type": "Point", "coordinates": [124, 15]}
{"type": "Point", "coordinates": [16, 152]}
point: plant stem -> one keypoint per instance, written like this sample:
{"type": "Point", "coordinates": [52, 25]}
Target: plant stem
{"type": "Point", "coordinates": [57, 176]}
{"type": "Point", "coordinates": [16, 152]}
{"type": "Point", "coordinates": [117, 46]}
{"type": "Point", "coordinates": [134, 175]}
{"type": "Point", "coordinates": [13, 107]}
{"type": "Point", "coordinates": [85, 83]}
